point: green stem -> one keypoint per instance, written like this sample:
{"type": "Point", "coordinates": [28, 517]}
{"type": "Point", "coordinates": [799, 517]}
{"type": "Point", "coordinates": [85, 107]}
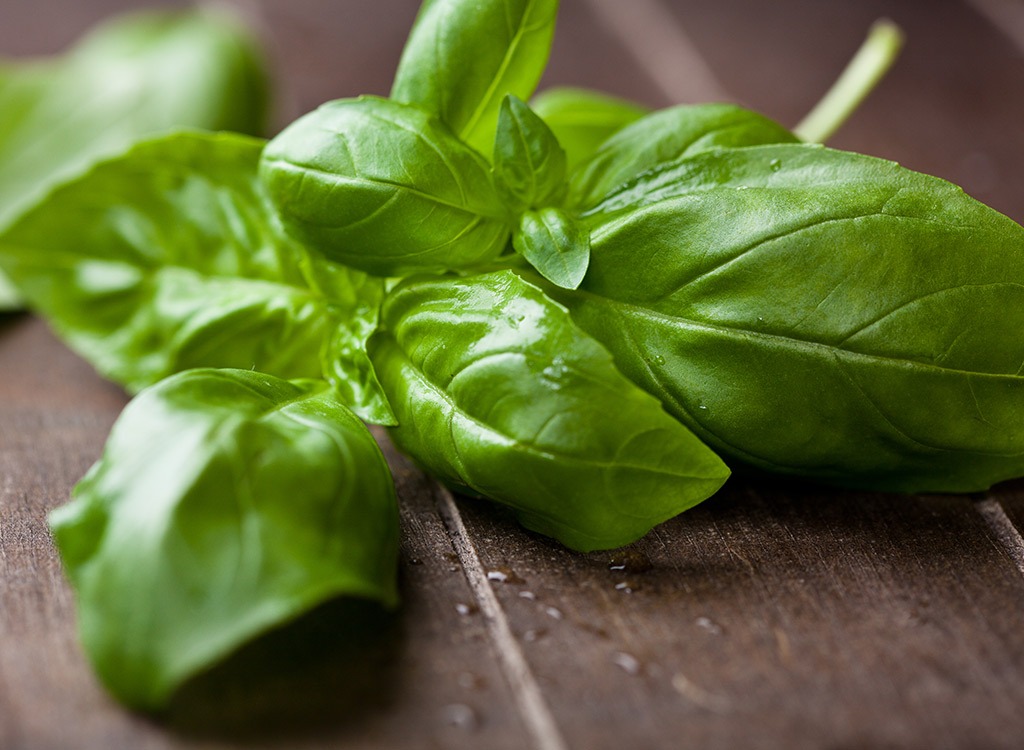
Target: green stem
{"type": "Point", "coordinates": [862, 74]}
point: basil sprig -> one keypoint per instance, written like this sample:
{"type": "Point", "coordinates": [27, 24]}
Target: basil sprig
{"type": "Point", "coordinates": [572, 309]}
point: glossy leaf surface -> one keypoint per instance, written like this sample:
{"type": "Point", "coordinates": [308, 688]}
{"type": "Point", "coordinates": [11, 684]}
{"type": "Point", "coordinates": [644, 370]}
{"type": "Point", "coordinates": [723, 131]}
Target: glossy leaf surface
{"type": "Point", "coordinates": [188, 537]}
{"type": "Point", "coordinates": [667, 136]}
{"type": "Point", "coordinates": [529, 164]}
{"type": "Point", "coordinates": [170, 257]}
{"type": "Point", "coordinates": [582, 120]}
{"type": "Point", "coordinates": [132, 77]}
{"type": "Point", "coordinates": [497, 391]}
{"type": "Point", "coordinates": [818, 312]}
{"type": "Point", "coordinates": [386, 188]}
{"type": "Point", "coordinates": [555, 244]}
{"type": "Point", "coordinates": [464, 56]}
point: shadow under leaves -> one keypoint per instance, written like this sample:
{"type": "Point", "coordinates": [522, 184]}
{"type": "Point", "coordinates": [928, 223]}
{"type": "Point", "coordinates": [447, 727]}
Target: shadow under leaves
{"type": "Point", "coordinates": [319, 675]}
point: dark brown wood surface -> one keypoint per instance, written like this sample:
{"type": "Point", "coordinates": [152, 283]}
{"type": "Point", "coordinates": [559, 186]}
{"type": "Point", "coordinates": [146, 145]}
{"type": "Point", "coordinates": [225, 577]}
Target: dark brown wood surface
{"type": "Point", "coordinates": [776, 615]}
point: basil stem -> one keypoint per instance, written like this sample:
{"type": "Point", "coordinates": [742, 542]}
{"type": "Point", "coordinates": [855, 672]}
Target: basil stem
{"type": "Point", "coordinates": [862, 74]}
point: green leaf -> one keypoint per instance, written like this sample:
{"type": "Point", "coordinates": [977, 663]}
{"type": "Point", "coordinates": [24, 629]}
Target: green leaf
{"type": "Point", "coordinates": [356, 298]}
{"type": "Point", "coordinates": [137, 75]}
{"type": "Point", "coordinates": [555, 244]}
{"type": "Point", "coordinates": [170, 257]}
{"type": "Point", "coordinates": [386, 188]}
{"type": "Point", "coordinates": [134, 76]}
{"type": "Point", "coordinates": [582, 120]}
{"type": "Point", "coordinates": [816, 312]}
{"type": "Point", "coordinates": [188, 537]}
{"type": "Point", "coordinates": [464, 56]}
{"type": "Point", "coordinates": [497, 391]}
{"type": "Point", "coordinates": [529, 165]}
{"type": "Point", "coordinates": [667, 136]}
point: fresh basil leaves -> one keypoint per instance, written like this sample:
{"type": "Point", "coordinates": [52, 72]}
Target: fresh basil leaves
{"type": "Point", "coordinates": [226, 502]}
{"type": "Point", "coordinates": [496, 390]}
{"type": "Point", "coordinates": [169, 257]}
{"type": "Point", "coordinates": [705, 284]}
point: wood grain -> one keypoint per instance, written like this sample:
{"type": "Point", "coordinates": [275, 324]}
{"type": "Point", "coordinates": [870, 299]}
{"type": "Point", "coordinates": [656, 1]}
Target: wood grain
{"type": "Point", "coordinates": [777, 615]}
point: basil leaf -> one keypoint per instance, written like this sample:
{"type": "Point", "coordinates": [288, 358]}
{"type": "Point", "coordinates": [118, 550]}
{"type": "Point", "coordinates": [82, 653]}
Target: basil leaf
{"type": "Point", "coordinates": [188, 537]}
{"type": "Point", "coordinates": [356, 298]}
{"type": "Point", "coordinates": [386, 188]}
{"type": "Point", "coordinates": [822, 313]}
{"type": "Point", "coordinates": [582, 120]}
{"type": "Point", "coordinates": [529, 165]}
{"type": "Point", "coordinates": [170, 257]}
{"type": "Point", "coordinates": [555, 244]}
{"type": "Point", "coordinates": [497, 391]}
{"type": "Point", "coordinates": [464, 56]}
{"type": "Point", "coordinates": [132, 77]}
{"type": "Point", "coordinates": [667, 136]}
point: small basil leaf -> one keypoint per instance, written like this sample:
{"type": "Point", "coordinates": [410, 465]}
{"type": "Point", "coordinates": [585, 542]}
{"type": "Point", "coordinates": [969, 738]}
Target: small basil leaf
{"type": "Point", "coordinates": [822, 313]}
{"type": "Point", "coordinates": [582, 120]}
{"type": "Point", "coordinates": [555, 244]}
{"type": "Point", "coordinates": [188, 537]}
{"type": "Point", "coordinates": [386, 188]}
{"type": "Point", "coordinates": [529, 165]}
{"type": "Point", "coordinates": [464, 56]}
{"type": "Point", "coordinates": [667, 136]}
{"type": "Point", "coordinates": [497, 391]}
{"type": "Point", "coordinates": [170, 257]}
{"type": "Point", "coordinates": [134, 76]}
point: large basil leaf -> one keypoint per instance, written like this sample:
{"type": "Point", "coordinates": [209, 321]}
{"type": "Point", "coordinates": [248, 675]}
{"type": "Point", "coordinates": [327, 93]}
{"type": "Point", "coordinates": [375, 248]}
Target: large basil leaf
{"type": "Point", "coordinates": [464, 56]}
{"type": "Point", "coordinates": [497, 391]}
{"type": "Point", "coordinates": [582, 120]}
{"type": "Point", "coordinates": [132, 77]}
{"type": "Point", "coordinates": [386, 188]}
{"type": "Point", "coordinates": [667, 136]}
{"type": "Point", "coordinates": [188, 537]}
{"type": "Point", "coordinates": [170, 257]}
{"type": "Point", "coordinates": [821, 313]}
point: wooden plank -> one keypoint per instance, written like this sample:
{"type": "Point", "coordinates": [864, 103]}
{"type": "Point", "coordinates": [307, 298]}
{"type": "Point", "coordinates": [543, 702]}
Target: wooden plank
{"type": "Point", "coordinates": [821, 619]}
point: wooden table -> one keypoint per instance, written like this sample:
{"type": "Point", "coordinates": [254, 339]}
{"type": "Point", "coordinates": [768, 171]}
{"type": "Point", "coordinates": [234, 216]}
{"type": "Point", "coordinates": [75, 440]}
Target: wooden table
{"type": "Point", "coordinates": [776, 615]}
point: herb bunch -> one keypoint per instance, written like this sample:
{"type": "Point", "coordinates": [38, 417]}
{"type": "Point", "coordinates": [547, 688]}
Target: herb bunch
{"type": "Point", "coordinates": [576, 308]}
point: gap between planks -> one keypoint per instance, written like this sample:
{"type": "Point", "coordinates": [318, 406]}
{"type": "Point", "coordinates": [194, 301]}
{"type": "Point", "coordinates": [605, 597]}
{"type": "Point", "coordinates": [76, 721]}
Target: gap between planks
{"type": "Point", "coordinates": [1003, 529]}
{"type": "Point", "coordinates": [533, 708]}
